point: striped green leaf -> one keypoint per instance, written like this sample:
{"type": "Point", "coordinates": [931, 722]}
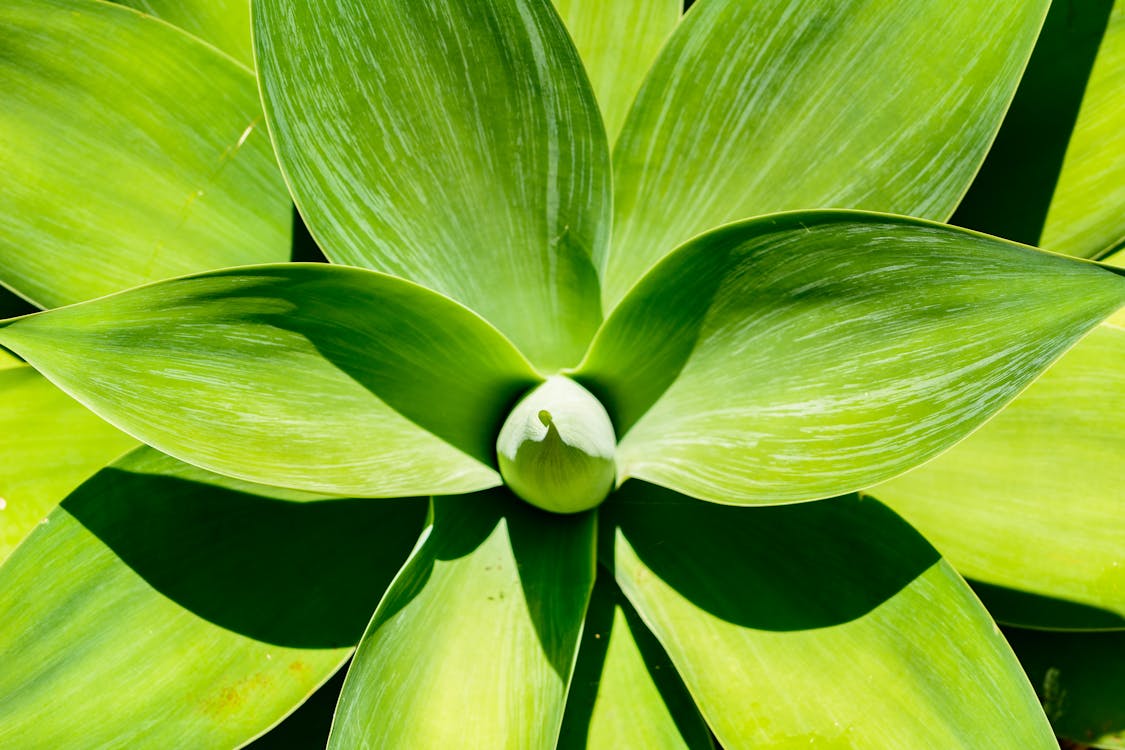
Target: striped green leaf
{"type": "Point", "coordinates": [625, 692]}
{"type": "Point", "coordinates": [474, 643]}
{"type": "Point", "coordinates": [805, 355]}
{"type": "Point", "coordinates": [618, 40]}
{"type": "Point", "coordinates": [1086, 216]}
{"type": "Point", "coordinates": [831, 625]}
{"type": "Point", "coordinates": [223, 23]}
{"type": "Point", "coordinates": [260, 373]}
{"type": "Point", "coordinates": [160, 606]}
{"type": "Point", "coordinates": [1032, 502]}
{"type": "Point", "coordinates": [454, 144]}
{"type": "Point", "coordinates": [755, 107]}
{"type": "Point", "coordinates": [131, 152]}
{"type": "Point", "coordinates": [50, 444]}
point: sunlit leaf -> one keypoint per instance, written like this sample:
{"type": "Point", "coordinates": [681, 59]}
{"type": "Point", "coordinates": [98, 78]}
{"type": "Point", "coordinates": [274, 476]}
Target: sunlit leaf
{"type": "Point", "coordinates": [50, 444]}
{"type": "Point", "coordinates": [1012, 192]}
{"type": "Point", "coordinates": [455, 144]}
{"type": "Point", "coordinates": [160, 609]}
{"type": "Point", "coordinates": [260, 373]}
{"type": "Point", "coordinates": [474, 643]}
{"type": "Point", "coordinates": [805, 355]}
{"type": "Point", "coordinates": [625, 692]}
{"type": "Point", "coordinates": [755, 107]}
{"type": "Point", "coordinates": [130, 150]}
{"type": "Point", "coordinates": [827, 625]}
{"type": "Point", "coordinates": [223, 23]}
{"type": "Point", "coordinates": [618, 40]}
{"type": "Point", "coordinates": [1033, 501]}
{"type": "Point", "coordinates": [1086, 215]}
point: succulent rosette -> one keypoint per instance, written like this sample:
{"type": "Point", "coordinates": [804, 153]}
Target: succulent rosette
{"type": "Point", "coordinates": [567, 445]}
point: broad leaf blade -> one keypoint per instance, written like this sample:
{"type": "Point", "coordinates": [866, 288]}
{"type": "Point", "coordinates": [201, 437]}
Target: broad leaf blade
{"type": "Point", "coordinates": [454, 144]}
{"type": "Point", "coordinates": [625, 692]}
{"type": "Point", "coordinates": [474, 643]}
{"type": "Point", "coordinates": [261, 373]}
{"type": "Point", "coordinates": [1033, 501]}
{"type": "Point", "coordinates": [756, 107]}
{"type": "Point", "coordinates": [50, 444]}
{"type": "Point", "coordinates": [1080, 678]}
{"type": "Point", "coordinates": [618, 40]}
{"type": "Point", "coordinates": [805, 355]}
{"type": "Point", "coordinates": [789, 624]}
{"type": "Point", "coordinates": [208, 606]}
{"type": "Point", "coordinates": [1086, 215]}
{"type": "Point", "coordinates": [223, 23]}
{"type": "Point", "coordinates": [131, 152]}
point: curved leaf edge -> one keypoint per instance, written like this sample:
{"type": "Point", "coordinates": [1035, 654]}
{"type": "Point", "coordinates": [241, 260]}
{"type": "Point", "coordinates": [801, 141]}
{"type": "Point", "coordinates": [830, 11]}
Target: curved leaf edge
{"type": "Point", "coordinates": [780, 220]}
{"type": "Point", "coordinates": [336, 267]}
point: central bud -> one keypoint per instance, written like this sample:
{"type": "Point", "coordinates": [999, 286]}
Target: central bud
{"type": "Point", "coordinates": [556, 448]}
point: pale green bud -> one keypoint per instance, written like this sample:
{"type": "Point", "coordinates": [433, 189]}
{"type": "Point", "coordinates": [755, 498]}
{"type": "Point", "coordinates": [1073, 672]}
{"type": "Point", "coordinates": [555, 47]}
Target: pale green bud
{"type": "Point", "coordinates": [556, 448]}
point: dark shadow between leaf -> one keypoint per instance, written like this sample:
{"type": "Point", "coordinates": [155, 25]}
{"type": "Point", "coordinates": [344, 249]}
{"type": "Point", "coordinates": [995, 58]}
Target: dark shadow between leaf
{"type": "Point", "coordinates": [308, 726]}
{"type": "Point", "coordinates": [1024, 608]}
{"type": "Point", "coordinates": [1013, 190]}
{"type": "Point", "coordinates": [303, 248]}
{"type": "Point", "coordinates": [301, 575]}
{"type": "Point", "coordinates": [1080, 679]}
{"type": "Point", "coordinates": [781, 568]}
{"type": "Point", "coordinates": [553, 554]}
{"type": "Point", "coordinates": [599, 628]}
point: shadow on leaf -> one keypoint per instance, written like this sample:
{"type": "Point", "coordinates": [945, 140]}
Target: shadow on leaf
{"type": "Point", "coordinates": [296, 574]}
{"type": "Point", "coordinates": [782, 568]}
{"type": "Point", "coordinates": [1025, 608]}
{"type": "Point", "coordinates": [553, 557]}
{"type": "Point", "coordinates": [1011, 194]}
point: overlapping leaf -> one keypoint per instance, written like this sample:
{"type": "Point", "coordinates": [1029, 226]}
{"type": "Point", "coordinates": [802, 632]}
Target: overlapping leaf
{"type": "Point", "coordinates": [482, 624]}
{"type": "Point", "coordinates": [618, 40]}
{"type": "Point", "coordinates": [1086, 216]}
{"type": "Point", "coordinates": [50, 444]}
{"type": "Point", "coordinates": [1033, 501]}
{"type": "Point", "coordinates": [162, 606]}
{"type": "Point", "coordinates": [804, 355]}
{"type": "Point", "coordinates": [454, 144]}
{"type": "Point", "coordinates": [625, 691]}
{"type": "Point", "coordinates": [223, 23]}
{"type": "Point", "coordinates": [260, 373]}
{"type": "Point", "coordinates": [131, 152]}
{"type": "Point", "coordinates": [800, 626]}
{"type": "Point", "coordinates": [755, 107]}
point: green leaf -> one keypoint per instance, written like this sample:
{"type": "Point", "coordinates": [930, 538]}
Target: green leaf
{"type": "Point", "coordinates": [1086, 217]}
{"type": "Point", "coordinates": [474, 643]}
{"type": "Point", "coordinates": [50, 444]}
{"type": "Point", "coordinates": [756, 107]}
{"type": "Point", "coordinates": [456, 144]}
{"type": "Point", "coordinates": [223, 23]}
{"type": "Point", "coordinates": [805, 355]}
{"type": "Point", "coordinates": [160, 609]}
{"type": "Point", "coordinates": [308, 726]}
{"type": "Point", "coordinates": [1080, 678]}
{"type": "Point", "coordinates": [1012, 192]}
{"type": "Point", "coordinates": [826, 625]}
{"type": "Point", "coordinates": [618, 40]}
{"type": "Point", "coordinates": [131, 152]}
{"type": "Point", "coordinates": [1032, 501]}
{"type": "Point", "coordinates": [261, 373]}
{"type": "Point", "coordinates": [625, 692]}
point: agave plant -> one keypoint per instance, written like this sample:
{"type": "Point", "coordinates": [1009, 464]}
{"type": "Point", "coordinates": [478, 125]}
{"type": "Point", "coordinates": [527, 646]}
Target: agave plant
{"type": "Point", "coordinates": [587, 435]}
